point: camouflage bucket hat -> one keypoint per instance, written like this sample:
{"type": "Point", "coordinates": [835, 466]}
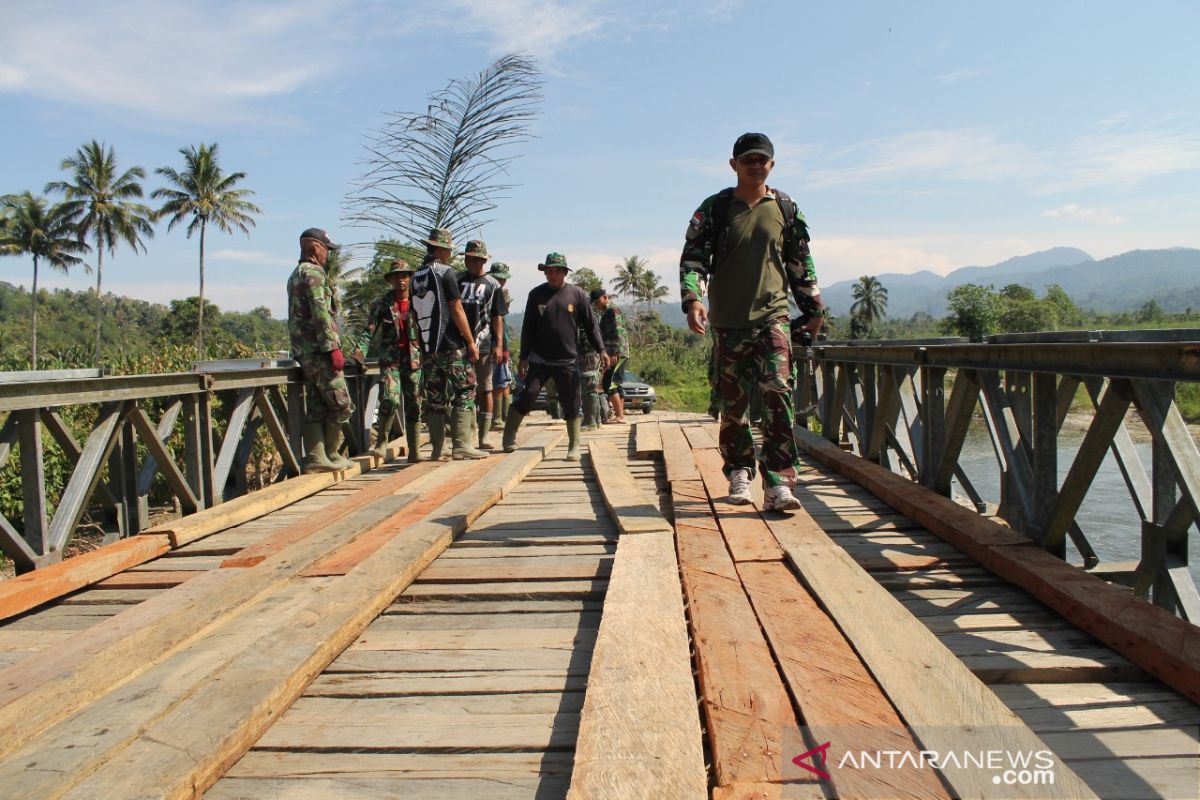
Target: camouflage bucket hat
{"type": "Point", "coordinates": [500, 271]}
{"type": "Point", "coordinates": [554, 260]}
{"type": "Point", "coordinates": [400, 267]}
{"type": "Point", "coordinates": [440, 237]}
{"type": "Point", "coordinates": [476, 248]}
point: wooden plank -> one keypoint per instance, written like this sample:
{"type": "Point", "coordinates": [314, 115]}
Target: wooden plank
{"type": "Point", "coordinates": [542, 590]}
{"type": "Point", "coordinates": [245, 508]}
{"type": "Point", "coordinates": [415, 477]}
{"type": "Point", "coordinates": [301, 764]}
{"type": "Point", "coordinates": [1162, 644]}
{"type": "Point", "coordinates": [748, 537]}
{"type": "Point", "coordinates": [837, 697]}
{"type": "Point", "coordinates": [351, 554]}
{"type": "Point", "coordinates": [488, 570]}
{"type": "Point", "coordinates": [699, 438]}
{"type": "Point", "coordinates": [946, 706]}
{"type": "Point", "coordinates": [630, 508]}
{"type": "Point", "coordinates": [392, 633]}
{"type": "Point", "coordinates": [153, 579]}
{"type": "Point", "coordinates": [24, 592]}
{"type": "Point", "coordinates": [407, 684]}
{"type": "Point", "coordinates": [639, 734]}
{"type": "Point", "coordinates": [647, 440]}
{"type": "Point", "coordinates": [677, 454]}
{"type": "Point", "coordinates": [187, 749]}
{"type": "Point", "coordinates": [390, 787]}
{"type": "Point", "coordinates": [567, 661]}
{"type": "Point", "coordinates": [37, 693]}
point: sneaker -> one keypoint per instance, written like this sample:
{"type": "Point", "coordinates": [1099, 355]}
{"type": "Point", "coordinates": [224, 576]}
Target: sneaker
{"type": "Point", "coordinates": [780, 498]}
{"type": "Point", "coordinates": [739, 487]}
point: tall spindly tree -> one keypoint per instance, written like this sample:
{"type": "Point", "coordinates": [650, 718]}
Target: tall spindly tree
{"type": "Point", "coordinates": [868, 308]}
{"type": "Point", "coordinates": [446, 167]}
{"type": "Point", "coordinates": [46, 232]}
{"type": "Point", "coordinates": [200, 194]}
{"type": "Point", "coordinates": [105, 208]}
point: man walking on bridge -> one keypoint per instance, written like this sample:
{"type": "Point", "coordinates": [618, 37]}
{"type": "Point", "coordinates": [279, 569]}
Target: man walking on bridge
{"type": "Point", "coordinates": [483, 302]}
{"type": "Point", "coordinates": [448, 348]}
{"type": "Point", "coordinates": [554, 314]}
{"type": "Point", "coordinates": [749, 244]}
{"type": "Point", "coordinates": [393, 322]}
{"type": "Point", "coordinates": [316, 344]}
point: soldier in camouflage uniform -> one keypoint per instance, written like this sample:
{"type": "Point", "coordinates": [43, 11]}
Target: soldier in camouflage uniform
{"type": "Point", "coordinates": [502, 373]}
{"type": "Point", "coordinates": [592, 371]}
{"type": "Point", "coordinates": [393, 323]}
{"type": "Point", "coordinates": [616, 341]}
{"type": "Point", "coordinates": [750, 244]}
{"type": "Point", "coordinates": [447, 348]}
{"type": "Point", "coordinates": [316, 344]}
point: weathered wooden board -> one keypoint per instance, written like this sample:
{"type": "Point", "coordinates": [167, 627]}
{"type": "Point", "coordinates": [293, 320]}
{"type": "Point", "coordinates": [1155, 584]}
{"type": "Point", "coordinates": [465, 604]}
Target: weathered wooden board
{"type": "Point", "coordinates": [640, 731]}
{"type": "Point", "coordinates": [630, 509]}
{"type": "Point", "coordinates": [648, 442]}
{"type": "Point", "coordinates": [933, 690]}
{"type": "Point", "coordinates": [747, 536]}
{"type": "Point", "coordinates": [20, 594]}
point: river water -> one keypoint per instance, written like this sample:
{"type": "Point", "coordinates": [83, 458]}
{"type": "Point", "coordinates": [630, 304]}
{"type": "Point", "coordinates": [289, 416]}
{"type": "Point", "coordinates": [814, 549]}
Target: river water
{"type": "Point", "coordinates": [1108, 517]}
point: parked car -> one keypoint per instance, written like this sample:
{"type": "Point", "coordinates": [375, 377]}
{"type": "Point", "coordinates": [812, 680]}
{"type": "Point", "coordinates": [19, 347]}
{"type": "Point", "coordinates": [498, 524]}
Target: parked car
{"type": "Point", "coordinates": [638, 395]}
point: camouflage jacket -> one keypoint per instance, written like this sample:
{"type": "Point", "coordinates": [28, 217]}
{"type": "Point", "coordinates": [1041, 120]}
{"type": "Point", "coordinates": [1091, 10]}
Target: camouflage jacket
{"type": "Point", "coordinates": [613, 332]}
{"type": "Point", "coordinates": [312, 312]}
{"type": "Point", "coordinates": [703, 243]}
{"type": "Point", "coordinates": [381, 326]}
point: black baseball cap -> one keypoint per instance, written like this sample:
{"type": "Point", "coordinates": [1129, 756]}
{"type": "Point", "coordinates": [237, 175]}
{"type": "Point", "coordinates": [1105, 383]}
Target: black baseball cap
{"type": "Point", "coordinates": [753, 143]}
{"type": "Point", "coordinates": [321, 236]}
{"type": "Point", "coordinates": [597, 294]}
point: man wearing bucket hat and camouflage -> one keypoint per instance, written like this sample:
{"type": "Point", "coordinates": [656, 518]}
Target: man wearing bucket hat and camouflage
{"type": "Point", "coordinates": [447, 348]}
{"type": "Point", "coordinates": [393, 323]}
{"type": "Point", "coordinates": [554, 314]}
{"type": "Point", "coordinates": [483, 301]}
{"type": "Point", "coordinates": [316, 344]}
{"type": "Point", "coordinates": [750, 245]}
{"type": "Point", "coordinates": [502, 376]}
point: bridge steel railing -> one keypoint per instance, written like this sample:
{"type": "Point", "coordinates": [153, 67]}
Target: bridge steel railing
{"type": "Point", "coordinates": [908, 406]}
{"type": "Point", "coordinates": [216, 411]}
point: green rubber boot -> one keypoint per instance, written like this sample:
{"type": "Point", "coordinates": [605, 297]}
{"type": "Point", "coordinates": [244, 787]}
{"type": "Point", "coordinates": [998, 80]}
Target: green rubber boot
{"type": "Point", "coordinates": [333, 443]}
{"type": "Point", "coordinates": [573, 426]}
{"type": "Point", "coordinates": [498, 414]}
{"type": "Point", "coordinates": [437, 434]}
{"type": "Point", "coordinates": [481, 423]}
{"type": "Point", "coordinates": [462, 430]}
{"type": "Point", "coordinates": [412, 434]}
{"type": "Point", "coordinates": [314, 448]}
{"type": "Point", "coordinates": [383, 434]}
{"type": "Point", "coordinates": [510, 429]}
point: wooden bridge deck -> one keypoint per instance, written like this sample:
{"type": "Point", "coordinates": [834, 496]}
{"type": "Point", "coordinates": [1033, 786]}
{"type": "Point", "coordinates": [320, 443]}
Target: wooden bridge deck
{"type": "Point", "coordinates": [316, 652]}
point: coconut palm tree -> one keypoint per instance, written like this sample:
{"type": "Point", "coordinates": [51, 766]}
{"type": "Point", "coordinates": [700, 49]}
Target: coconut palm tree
{"type": "Point", "coordinates": [870, 300]}
{"type": "Point", "coordinates": [630, 277]}
{"type": "Point", "coordinates": [45, 232]}
{"type": "Point", "coordinates": [200, 194]}
{"type": "Point", "coordinates": [103, 205]}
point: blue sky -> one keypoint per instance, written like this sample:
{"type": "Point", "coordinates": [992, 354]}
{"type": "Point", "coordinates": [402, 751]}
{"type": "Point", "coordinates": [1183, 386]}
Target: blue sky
{"type": "Point", "coordinates": [912, 135]}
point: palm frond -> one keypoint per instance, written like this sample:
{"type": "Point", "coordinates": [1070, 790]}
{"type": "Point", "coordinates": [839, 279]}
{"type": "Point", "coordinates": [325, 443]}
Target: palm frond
{"type": "Point", "coordinates": [446, 167]}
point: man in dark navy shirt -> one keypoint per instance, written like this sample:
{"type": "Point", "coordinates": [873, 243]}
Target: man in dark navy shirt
{"type": "Point", "coordinates": [483, 301]}
{"type": "Point", "coordinates": [554, 314]}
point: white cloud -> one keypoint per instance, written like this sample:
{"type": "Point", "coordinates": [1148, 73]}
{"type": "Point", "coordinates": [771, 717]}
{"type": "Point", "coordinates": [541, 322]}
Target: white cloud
{"type": "Point", "coordinates": [529, 26]}
{"type": "Point", "coordinates": [965, 154]}
{"type": "Point", "coordinates": [11, 78]}
{"type": "Point", "coordinates": [1121, 156]}
{"type": "Point", "coordinates": [181, 61]}
{"type": "Point", "coordinates": [253, 257]}
{"type": "Point", "coordinates": [1077, 213]}
{"type": "Point", "coordinates": [960, 75]}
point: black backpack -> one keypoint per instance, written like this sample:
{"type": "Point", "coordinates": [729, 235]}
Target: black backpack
{"type": "Point", "coordinates": [719, 214]}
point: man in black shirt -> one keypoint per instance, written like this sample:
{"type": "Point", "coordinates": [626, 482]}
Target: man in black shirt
{"type": "Point", "coordinates": [554, 314]}
{"type": "Point", "coordinates": [483, 301]}
{"type": "Point", "coordinates": [447, 348]}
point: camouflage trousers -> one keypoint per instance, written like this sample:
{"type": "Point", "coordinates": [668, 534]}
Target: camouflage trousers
{"type": "Point", "coordinates": [745, 361]}
{"type": "Point", "coordinates": [449, 382]}
{"type": "Point", "coordinates": [590, 376]}
{"type": "Point", "coordinates": [400, 387]}
{"type": "Point", "coordinates": [326, 395]}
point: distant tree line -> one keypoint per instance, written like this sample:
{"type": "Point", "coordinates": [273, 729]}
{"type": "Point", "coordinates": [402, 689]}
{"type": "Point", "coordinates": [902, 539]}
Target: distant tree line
{"type": "Point", "coordinates": [101, 209]}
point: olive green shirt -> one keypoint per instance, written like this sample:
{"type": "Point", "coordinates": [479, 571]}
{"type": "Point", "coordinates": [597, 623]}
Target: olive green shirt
{"type": "Point", "coordinates": [749, 281]}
